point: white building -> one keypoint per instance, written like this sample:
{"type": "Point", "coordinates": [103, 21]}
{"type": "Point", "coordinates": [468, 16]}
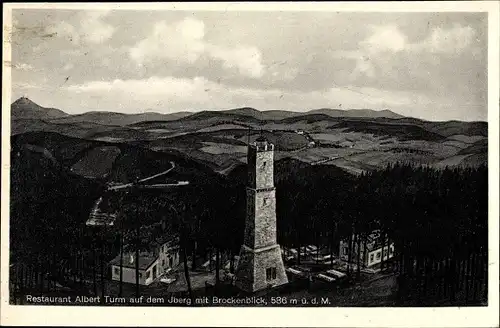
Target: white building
{"type": "Point", "coordinates": [164, 257]}
{"type": "Point", "coordinates": [373, 253]}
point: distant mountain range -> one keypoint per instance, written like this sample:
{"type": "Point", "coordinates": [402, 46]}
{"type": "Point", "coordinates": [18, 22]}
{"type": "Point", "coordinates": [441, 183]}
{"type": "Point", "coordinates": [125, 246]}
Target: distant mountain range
{"type": "Point", "coordinates": [28, 116]}
{"type": "Point", "coordinates": [282, 114]}
{"type": "Point", "coordinates": [24, 108]}
{"type": "Point", "coordinates": [355, 140]}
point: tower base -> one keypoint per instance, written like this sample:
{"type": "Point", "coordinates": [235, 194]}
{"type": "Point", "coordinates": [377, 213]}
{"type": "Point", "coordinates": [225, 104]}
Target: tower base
{"type": "Point", "coordinates": [260, 268]}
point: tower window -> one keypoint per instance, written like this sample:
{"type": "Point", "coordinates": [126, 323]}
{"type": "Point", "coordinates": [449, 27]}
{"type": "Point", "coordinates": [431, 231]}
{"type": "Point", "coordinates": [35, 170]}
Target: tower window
{"type": "Point", "coordinates": [264, 164]}
{"type": "Point", "coordinates": [270, 273]}
{"type": "Point", "coordinates": [264, 201]}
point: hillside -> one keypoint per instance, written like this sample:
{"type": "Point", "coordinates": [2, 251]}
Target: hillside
{"type": "Point", "coordinates": [127, 163]}
{"type": "Point", "coordinates": [222, 115]}
{"type": "Point", "coordinates": [356, 141]}
{"type": "Point", "coordinates": [27, 109]}
{"type": "Point", "coordinates": [272, 115]}
{"type": "Point", "coordinates": [368, 113]}
{"type": "Point", "coordinates": [451, 128]}
{"type": "Point", "coordinates": [400, 131]}
{"type": "Point", "coordinates": [56, 180]}
{"type": "Point", "coordinates": [119, 119]}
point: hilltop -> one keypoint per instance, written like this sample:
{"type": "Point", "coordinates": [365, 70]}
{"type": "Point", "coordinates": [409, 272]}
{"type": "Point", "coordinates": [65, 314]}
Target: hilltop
{"type": "Point", "coordinates": [367, 113]}
{"type": "Point", "coordinates": [27, 109]}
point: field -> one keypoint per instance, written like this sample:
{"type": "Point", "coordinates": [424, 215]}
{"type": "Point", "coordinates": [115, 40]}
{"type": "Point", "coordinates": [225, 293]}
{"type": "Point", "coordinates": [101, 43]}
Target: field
{"type": "Point", "coordinates": [221, 148]}
{"type": "Point", "coordinates": [218, 139]}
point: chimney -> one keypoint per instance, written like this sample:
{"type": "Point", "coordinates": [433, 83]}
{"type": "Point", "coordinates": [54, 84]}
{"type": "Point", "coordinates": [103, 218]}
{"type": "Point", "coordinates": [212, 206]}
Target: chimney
{"type": "Point", "coordinates": [131, 258]}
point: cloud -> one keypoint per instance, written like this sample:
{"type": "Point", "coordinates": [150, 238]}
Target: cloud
{"type": "Point", "coordinates": [364, 65]}
{"type": "Point", "coordinates": [68, 66]}
{"type": "Point", "coordinates": [287, 74]}
{"type": "Point", "coordinates": [90, 29]}
{"type": "Point", "coordinates": [451, 41]}
{"type": "Point", "coordinates": [93, 29]}
{"type": "Point", "coordinates": [387, 49]}
{"type": "Point", "coordinates": [43, 46]}
{"type": "Point", "coordinates": [382, 43]}
{"type": "Point", "coordinates": [248, 60]}
{"type": "Point", "coordinates": [441, 40]}
{"type": "Point", "coordinates": [422, 53]}
{"type": "Point", "coordinates": [24, 86]}
{"type": "Point", "coordinates": [65, 30]}
{"type": "Point", "coordinates": [24, 67]}
{"type": "Point", "coordinates": [199, 92]}
{"type": "Point", "coordinates": [384, 38]}
{"type": "Point", "coordinates": [184, 41]}
{"type": "Point", "coordinates": [168, 86]}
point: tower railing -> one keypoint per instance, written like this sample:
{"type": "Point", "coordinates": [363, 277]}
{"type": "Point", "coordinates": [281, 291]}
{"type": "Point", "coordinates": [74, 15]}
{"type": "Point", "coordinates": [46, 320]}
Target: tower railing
{"type": "Point", "coordinates": [263, 147]}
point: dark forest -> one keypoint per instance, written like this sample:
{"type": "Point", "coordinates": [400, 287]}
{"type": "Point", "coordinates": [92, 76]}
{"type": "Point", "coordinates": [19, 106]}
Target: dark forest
{"type": "Point", "coordinates": [437, 220]}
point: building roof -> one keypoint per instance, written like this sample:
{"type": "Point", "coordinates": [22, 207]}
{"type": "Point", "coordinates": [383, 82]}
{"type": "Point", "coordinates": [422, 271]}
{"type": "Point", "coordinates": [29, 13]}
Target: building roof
{"type": "Point", "coordinates": [145, 261]}
{"type": "Point", "coordinates": [166, 238]}
{"type": "Point", "coordinates": [373, 241]}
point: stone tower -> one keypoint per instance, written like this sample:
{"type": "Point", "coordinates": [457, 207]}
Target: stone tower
{"type": "Point", "coordinates": [260, 265]}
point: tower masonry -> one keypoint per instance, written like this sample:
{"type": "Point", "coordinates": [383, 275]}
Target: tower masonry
{"type": "Point", "coordinates": [260, 265]}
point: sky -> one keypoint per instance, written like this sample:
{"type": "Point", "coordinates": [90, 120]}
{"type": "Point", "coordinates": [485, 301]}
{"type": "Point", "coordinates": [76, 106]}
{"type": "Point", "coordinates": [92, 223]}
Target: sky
{"type": "Point", "coordinates": [426, 65]}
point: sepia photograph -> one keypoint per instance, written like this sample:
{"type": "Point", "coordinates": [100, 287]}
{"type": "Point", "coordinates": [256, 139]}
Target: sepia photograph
{"type": "Point", "coordinates": [159, 157]}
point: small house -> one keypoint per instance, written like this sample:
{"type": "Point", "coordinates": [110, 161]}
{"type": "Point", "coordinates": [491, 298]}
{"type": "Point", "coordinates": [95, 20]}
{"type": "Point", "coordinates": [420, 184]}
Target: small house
{"type": "Point", "coordinates": [148, 268]}
{"type": "Point", "coordinates": [369, 256]}
{"type": "Point", "coordinates": [163, 258]}
{"type": "Point", "coordinates": [168, 253]}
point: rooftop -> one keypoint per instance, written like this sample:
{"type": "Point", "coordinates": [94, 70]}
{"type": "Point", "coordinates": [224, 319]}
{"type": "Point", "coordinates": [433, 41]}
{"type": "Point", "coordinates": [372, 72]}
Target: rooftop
{"type": "Point", "coordinates": [373, 241]}
{"type": "Point", "coordinates": [145, 260]}
{"type": "Point", "coordinates": [167, 238]}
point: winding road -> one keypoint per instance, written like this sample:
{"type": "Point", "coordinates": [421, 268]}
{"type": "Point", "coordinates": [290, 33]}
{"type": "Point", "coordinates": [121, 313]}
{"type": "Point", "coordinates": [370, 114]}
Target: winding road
{"type": "Point", "coordinates": [99, 219]}
{"type": "Point", "coordinates": [128, 185]}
